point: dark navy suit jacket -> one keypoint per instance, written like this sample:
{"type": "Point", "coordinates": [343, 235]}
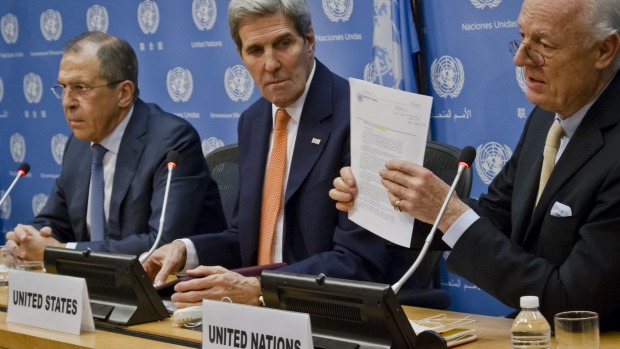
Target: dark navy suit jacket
{"type": "Point", "coordinates": [569, 261]}
{"type": "Point", "coordinates": [138, 189]}
{"type": "Point", "coordinates": [317, 237]}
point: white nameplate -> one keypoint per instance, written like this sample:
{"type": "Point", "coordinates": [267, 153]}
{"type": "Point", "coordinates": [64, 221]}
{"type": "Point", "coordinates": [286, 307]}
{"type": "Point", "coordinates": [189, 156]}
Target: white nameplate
{"type": "Point", "coordinates": [228, 325]}
{"type": "Point", "coordinates": [49, 301]}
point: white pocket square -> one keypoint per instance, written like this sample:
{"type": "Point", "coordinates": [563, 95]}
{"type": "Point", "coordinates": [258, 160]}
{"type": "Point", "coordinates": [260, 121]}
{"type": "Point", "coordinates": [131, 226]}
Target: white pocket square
{"type": "Point", "coordinates": [561, 210]}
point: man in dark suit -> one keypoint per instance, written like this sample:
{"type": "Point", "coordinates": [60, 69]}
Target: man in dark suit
{"type": "Point", "coordinates": [276, 42]}
{"type": "Point", "coordinates": [98, 85]}
{"type": "Point", "coordinates": [555, 238]}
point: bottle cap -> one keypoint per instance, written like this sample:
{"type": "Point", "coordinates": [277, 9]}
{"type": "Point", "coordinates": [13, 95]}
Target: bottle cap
{"type": "Point", "coordinates": [529, 302]}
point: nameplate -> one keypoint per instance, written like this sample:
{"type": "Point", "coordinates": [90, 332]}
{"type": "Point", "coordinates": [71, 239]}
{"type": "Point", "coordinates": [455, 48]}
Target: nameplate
{"type": "Point", "coordinates": [49, 301]}
{"type": "Point", "coordinates": [228, 325]}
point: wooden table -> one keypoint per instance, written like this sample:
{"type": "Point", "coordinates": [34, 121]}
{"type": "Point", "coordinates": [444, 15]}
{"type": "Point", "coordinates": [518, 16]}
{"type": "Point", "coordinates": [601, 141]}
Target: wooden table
{"type": "Point", "coordinates": [493, 333]}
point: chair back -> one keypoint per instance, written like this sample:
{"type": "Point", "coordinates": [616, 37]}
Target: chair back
{"type": "Point", "coordinates": [224, 167]}
{"type": "Point", "coordinates": [423, 289]}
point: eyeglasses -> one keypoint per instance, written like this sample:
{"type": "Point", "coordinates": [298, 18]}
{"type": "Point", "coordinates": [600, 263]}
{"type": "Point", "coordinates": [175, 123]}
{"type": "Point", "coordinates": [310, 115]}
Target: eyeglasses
{"type": "Point", "coordinates": [79, 90]}
{"type": "Point", "coordinates": [536, 57]}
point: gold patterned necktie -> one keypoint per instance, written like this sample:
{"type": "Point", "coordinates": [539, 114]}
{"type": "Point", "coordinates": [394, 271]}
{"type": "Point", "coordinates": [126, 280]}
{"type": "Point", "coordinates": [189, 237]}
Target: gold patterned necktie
{"type": "Point", "coordinates": [552, 144]}
{"type": "Point", "coordinates": [273, 187]}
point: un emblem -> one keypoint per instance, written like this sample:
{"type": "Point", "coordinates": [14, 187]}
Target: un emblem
{"type": "Point", "coordinates": [33, 88]}
{"type": "Point", "coordinates": [1, 90]}
{"type": "Point", "coordinates": [447, 76]}
{"type": "Point", "coordinates": [148, 16]}
{"type": "Point", "coordinates": [481, 4]}
{"type": "Point", "coordinates": [238, 83]}
{"type": "Point", "coordinates": [38, 202]}
{"type": "Point", "coordinates": [204, 13]}
{"type": "Point", "coordinates": [180, 84]}
{"type": "Point", "coordinates": [97, 19]}
{"type": "Point", "coordinates": [18, 147]}
{"type": "Point", "coordinates": [338, 10]}
{"type": "Point", "coordinates": [210, 144]}
{"type": "Point", "coordinates": [521, 78]}
{"type": "Point", "coordinates": [491, 159]}
{"type": "Point", "coordinates": [10, 28]}
{"type": "Point", "coordinates": [58, 147]}
{"type": "Point", "coordinates": [51, 25]}
{"type": "Point", "coordinates": [5, 208]}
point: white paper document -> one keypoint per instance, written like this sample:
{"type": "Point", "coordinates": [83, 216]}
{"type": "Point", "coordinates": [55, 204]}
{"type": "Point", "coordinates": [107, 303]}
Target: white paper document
{"type": "Point", "coordinates": [386, 124]}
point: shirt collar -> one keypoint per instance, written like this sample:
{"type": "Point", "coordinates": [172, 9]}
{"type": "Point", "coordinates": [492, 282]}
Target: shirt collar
{"type": "Point", "coordinates": [294, 110]}
{"type": "Point", "coordinates": [112, 142]}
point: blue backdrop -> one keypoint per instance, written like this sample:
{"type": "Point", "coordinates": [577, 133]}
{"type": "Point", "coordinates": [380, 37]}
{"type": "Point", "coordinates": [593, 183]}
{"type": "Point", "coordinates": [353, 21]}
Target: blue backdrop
{"type": "Point", "coordinates": [189, 66]}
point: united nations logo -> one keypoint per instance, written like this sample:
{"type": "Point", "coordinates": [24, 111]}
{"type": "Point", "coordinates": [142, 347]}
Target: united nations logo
{"type": "Point", "coordinates": [338, 10]}
{"type": "Point", "coordinates": [33, 88]}
{"type": "Point", "coordinates": [97, 19]}
{"type": "Point", "coordinates": [51, 25]}
{"type": "Point", "coordinates": [5, 208]}
{"type": "Point", "coordinates": [521, 78]}
{"type": "Point", "coordinates": [38, 202]}
{"type": "Point", "coordinates": [238, 83]}
{"type": "Point", "coordinates": [180, 84]}
{"type": "Point", "coordinates": [10, 28]}
{"type": "Point", "coordinates": [447, 76]}
{"type": "Point", "coordinates": [210, 144]}
{"type": "Point", "coordinates": [481, 4]}
{"type": "Point", "coordinates": [1, 90]}
{"type": "Point", "coordinates": [18, 147]}
{"type": "Point", "coordinates": [58, 147]}
{"type": "Point", "coordinates": [204, 13]}
{"type": "Point", "coordinates": [148, 16]}
{"type": "Point", "coordinates": [491, 159]}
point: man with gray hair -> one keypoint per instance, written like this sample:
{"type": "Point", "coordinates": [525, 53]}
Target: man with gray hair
{"type": "Point", "coordinates": [292, 143]}
{"type": "Point", "coordinates": [549, 225]}
{"type": "Point", "coordinates": [113, 202]}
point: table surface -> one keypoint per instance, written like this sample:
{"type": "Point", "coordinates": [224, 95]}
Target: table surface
{"type": "Point", "coordinates": [492, 332]}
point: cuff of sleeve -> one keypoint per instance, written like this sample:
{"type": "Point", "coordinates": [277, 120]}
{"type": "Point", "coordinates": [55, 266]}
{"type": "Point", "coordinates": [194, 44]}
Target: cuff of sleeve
{"type": "Point", "coordinates": [459, 227]}
{"type": "Point", "coordinates": [71, 245]}
{"type": "Point", "coordinates": [192, 256]}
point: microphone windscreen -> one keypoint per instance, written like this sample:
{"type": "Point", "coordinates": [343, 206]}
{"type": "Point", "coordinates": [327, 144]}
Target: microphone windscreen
{"type": "Point", "coordinates": [24, 167]}
{"type": "Point", "coordinates": [172, 156]}
{"type": "Point", "coordinates": [468, 154]}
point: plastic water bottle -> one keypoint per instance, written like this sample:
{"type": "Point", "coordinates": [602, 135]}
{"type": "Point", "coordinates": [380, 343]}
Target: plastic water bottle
{"type": "Point", "coordinates": [530, 329]}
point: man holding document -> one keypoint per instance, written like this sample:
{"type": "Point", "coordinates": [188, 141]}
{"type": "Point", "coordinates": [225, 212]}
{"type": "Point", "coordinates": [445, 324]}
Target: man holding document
{"type": "Point", "coordinates": [300, 226]}
{"type": "Point", "coordinates": [549, 224]}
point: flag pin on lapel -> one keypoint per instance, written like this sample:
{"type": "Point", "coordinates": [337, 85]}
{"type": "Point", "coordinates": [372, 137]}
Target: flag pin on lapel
{"type": "Point", "coordinates": [316, 141]}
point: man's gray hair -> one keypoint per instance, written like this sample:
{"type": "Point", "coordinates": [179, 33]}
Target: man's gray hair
{"type": "Point", "coordinates": [243, 10]}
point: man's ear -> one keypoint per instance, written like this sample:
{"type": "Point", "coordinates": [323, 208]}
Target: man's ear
{"type": "Point", "coordinates": [127, 90]}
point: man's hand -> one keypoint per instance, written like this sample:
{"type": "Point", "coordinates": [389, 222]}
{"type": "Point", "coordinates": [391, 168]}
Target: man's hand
{"type": "Point", "coordinates": [30, 242]}
{"type": "Point", "coordinates": [216, 283]}
{"type": "Point", "coordinates": [344, 190]}
{"type": "Point", "coordinates": [420, 193]}
{"type": "Point", "coordinates": [164, 261]}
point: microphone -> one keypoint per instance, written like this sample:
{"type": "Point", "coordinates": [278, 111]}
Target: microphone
{"type": "Point", "coordinates": [466, 158]}
{"type": "Point", "coordinates": [171, 160]}
{"type": "Point", "coordinates": [22, 170]}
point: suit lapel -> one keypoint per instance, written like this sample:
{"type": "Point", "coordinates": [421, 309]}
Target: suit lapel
{"type": "Point", "coordinates": [312, 135]}
{"type": "Point", "coordinates": [127, 161]}
{"type": "Point", "coordinates": [82, 186]}
{"type": "Point", "coordinates": [585, 143]}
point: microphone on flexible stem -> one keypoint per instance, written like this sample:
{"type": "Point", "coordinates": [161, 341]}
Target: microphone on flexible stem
{"type": "Point", "coordinates": [467, 156]}
{"type": "Point", "coordinates": [22, 170]}
{"type": "Point", "coordinates": [171, 160]}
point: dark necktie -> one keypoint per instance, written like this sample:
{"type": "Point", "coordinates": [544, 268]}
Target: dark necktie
{"type": "Point", "coordinates": [273, 187]}
{"type": "Point", "coordinates": [97, 187]}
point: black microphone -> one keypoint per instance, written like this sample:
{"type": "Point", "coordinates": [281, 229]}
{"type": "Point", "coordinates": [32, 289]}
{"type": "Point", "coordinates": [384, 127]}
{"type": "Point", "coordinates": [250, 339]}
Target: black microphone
{"type": "Point", "coordinates": [22, 170]}
{"type": "Point", "coordinates": [466, 158]}
{"type": "Point", "coordinates": [171, 163]}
